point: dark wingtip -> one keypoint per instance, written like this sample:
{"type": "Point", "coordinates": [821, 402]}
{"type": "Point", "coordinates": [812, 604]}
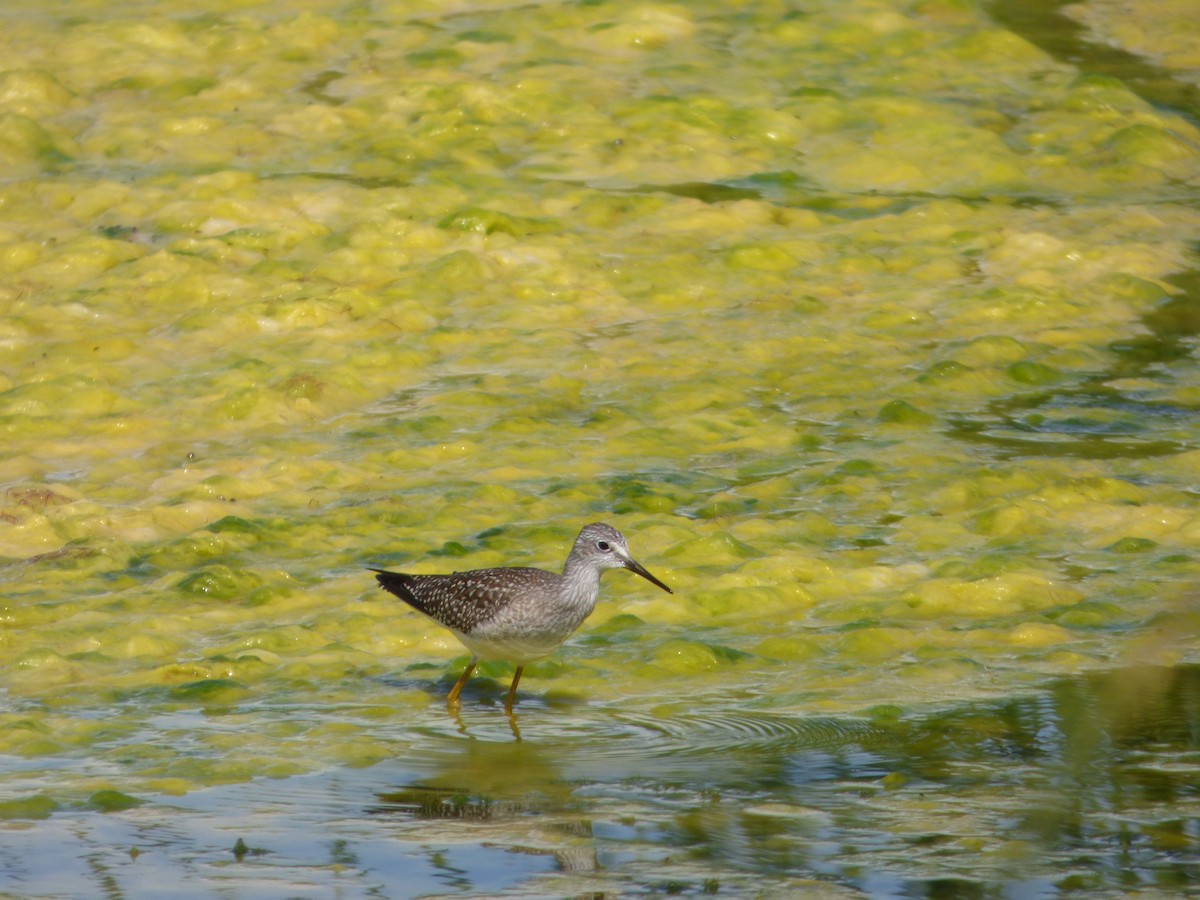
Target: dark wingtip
{"type": "Point", "coordinates": [382, 576]}
{"type": "Point", "coordinates": [396, 583]}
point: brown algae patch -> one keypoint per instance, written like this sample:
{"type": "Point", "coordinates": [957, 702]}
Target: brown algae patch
{"type": "Point", "coordinates": [856, 342]}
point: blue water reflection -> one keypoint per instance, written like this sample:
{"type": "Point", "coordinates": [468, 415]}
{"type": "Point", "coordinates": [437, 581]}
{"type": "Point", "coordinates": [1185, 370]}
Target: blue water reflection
{"type": "Point", "coordinates": [1091, 785]}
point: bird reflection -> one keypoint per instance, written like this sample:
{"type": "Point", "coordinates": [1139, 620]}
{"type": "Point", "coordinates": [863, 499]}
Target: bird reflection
{"type": "Point", "coordinates": [509, 793]}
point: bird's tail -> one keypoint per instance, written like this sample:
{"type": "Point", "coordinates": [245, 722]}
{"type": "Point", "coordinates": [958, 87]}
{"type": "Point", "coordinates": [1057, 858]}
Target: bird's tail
{"type": "Point", "coordinates": [397, 583]}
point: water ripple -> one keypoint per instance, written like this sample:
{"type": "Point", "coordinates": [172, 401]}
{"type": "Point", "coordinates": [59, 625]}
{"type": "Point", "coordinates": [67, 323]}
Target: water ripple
{"type": "Point", "coordinates": [724, 732]}
{"type": "Point", "coordinates": [629, 736]}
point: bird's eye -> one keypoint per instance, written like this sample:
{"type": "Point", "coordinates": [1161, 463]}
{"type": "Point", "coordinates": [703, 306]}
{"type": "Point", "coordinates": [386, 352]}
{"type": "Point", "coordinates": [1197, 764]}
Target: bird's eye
{"type": "Point", "coordinates": [603, 545]}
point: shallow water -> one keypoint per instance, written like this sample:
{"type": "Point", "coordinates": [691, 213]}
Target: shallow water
{"type": "Point", "coordinates": [880, 348]}
{"type": "Point", "coordinates": [1089, 784]}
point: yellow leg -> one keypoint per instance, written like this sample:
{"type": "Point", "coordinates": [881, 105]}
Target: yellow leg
{"type": "Point", "coordinates": [452, 699]}
{"type": "Point", "coordinates": [512, 690]}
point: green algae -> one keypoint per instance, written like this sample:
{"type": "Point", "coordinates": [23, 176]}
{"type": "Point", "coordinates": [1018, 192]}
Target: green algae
{"type": "Point", "coordinates": [113, 801]}
{"type": "Point", "coordinates": [38, 806]}
{"type": "Point", "coordinates": [878, 348]}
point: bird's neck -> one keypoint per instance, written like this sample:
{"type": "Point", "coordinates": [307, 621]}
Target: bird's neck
{"type": "Point", "coordinates": [582, 583]}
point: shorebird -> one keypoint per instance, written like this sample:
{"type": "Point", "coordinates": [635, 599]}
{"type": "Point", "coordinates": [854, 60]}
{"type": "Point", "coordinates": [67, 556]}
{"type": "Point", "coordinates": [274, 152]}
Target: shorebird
{"type": "Point", "coordinates": [517, 614]}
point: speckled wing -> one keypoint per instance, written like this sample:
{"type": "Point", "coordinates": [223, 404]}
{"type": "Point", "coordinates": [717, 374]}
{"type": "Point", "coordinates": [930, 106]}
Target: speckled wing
{"type": "Point", "coordinates": [465, 600]}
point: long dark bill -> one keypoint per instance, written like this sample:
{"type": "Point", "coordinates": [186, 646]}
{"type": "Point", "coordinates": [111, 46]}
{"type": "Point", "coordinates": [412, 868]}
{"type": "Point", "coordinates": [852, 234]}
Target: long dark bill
{"type": "Point", "coordinates": [634, 566]}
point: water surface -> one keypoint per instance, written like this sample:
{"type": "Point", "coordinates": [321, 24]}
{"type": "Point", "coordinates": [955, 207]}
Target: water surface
{"type": "Point", "coordinates": [872, 325]}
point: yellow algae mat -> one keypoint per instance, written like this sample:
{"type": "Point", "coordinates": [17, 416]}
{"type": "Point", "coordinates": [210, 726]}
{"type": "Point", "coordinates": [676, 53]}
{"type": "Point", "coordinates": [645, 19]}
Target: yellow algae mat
{"type": "Point", "coordinates": [872, 325]}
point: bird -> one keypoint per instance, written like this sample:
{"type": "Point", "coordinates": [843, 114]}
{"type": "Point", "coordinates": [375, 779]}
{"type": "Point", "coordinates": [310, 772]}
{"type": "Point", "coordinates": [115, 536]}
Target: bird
{"type": "Point", "coordinates": [518, 614]}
